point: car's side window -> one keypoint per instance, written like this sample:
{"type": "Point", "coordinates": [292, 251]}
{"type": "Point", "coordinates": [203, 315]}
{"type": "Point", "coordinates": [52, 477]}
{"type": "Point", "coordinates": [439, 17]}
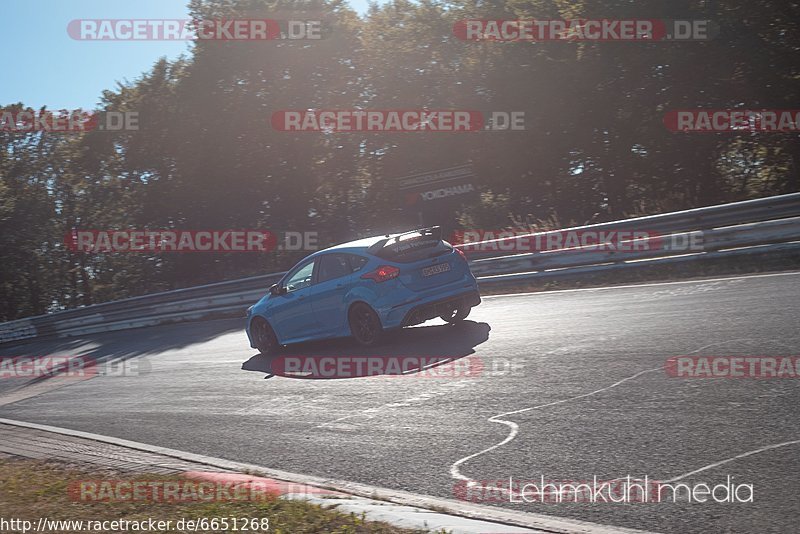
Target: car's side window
{"type": "Point", "coordinates": [356, 262]}
{"type": "Point", "coordinates": [301, 278]}
{"type": "Point", "coordinates": [332, 266]}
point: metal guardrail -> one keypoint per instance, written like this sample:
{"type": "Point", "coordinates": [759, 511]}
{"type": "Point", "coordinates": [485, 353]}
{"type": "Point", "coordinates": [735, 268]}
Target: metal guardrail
{"type": "Point", "coordinates": [677, 244]}
{"type": "Point", "coordinates": [223, 299]}
{"type": "Point", "coordinates": [735, 213]}
{"type": "Point", "coordinates": [763, 226]}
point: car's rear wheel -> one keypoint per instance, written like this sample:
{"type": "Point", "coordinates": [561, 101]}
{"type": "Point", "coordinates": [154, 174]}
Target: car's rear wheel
{"type": "Point", "coordinates": [365, 325]}
{"type": "Point", "coordinates": [456, 315]}
{"type": "Point", "coordinates": [263, 336]}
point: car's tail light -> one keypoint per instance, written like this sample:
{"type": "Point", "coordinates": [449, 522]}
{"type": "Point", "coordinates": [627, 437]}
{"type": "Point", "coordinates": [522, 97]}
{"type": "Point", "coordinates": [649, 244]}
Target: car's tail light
{"type": "Point", "coordinates": [461, 253]}
{"type": "Point", "coordinates": [382, 273]}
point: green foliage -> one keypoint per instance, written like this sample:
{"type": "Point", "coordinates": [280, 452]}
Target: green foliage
{"type": "Point", "coordinates": [595, 147]}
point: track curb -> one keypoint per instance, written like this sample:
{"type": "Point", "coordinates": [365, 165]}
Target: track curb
{"type": "Point", "coordinates": [540, 522]}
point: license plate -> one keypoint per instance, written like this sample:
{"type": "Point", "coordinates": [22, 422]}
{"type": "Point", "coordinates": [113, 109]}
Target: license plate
{"type": "Point", "coordinates": [435, 269]}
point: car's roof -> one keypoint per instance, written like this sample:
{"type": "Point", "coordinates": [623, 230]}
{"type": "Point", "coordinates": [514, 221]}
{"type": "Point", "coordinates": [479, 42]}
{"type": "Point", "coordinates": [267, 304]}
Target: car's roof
{"type": "Point", "coordinates": [359, 245]}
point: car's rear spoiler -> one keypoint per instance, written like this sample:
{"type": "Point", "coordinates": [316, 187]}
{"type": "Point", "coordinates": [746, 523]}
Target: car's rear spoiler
{"type": "Point", "coordinates": [395, 245]}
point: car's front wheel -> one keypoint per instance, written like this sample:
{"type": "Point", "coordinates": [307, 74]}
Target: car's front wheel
{"type": "Point", "coordinates": [365, 325]}
{"type": "Point", "coordinates": [263, 336]}
{"type": "Point", "coordinates": [456, 315]}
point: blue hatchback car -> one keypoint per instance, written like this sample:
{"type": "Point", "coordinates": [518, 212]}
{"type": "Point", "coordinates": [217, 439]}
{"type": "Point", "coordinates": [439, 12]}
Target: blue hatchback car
{"type": "Point", "coordinates": [364, 288]}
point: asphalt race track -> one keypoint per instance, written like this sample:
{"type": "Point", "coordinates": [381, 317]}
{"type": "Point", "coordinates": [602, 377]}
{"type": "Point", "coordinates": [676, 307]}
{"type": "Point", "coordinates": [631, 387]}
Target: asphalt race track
{"type": "Point", "coordinates": [578, 377]}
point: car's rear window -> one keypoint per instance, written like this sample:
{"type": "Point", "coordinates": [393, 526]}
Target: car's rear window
{"type": "Point", "coordinates": [412, 247]}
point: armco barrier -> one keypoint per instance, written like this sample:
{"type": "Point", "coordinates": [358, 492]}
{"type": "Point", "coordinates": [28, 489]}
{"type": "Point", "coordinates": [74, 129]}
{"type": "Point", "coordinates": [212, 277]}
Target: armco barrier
{"type": "Point", "coordinates": [768, 226]}
{"type": "Point", "coordinates": [711, 240]}
{"type": "Point", "coordinates": [788, 250]}
{"type": "Point", "coordinates": [735, 213]}
{"type": "Point", "coordinates": [224, 299]}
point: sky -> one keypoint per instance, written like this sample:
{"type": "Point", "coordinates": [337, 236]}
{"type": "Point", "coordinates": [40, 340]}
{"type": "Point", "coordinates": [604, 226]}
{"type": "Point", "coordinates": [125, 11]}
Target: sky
{"type": "Point", "coordinates": [43, 65]}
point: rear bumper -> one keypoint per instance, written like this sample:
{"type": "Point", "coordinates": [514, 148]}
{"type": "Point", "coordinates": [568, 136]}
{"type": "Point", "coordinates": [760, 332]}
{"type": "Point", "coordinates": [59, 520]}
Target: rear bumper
{"type": "Point", "coordinates": [430, 310]}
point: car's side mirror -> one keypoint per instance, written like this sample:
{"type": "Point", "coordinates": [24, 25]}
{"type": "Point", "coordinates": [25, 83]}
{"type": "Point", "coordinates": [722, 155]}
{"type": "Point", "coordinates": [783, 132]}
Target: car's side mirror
{"type": "Point", "coordinates": [276, 289]}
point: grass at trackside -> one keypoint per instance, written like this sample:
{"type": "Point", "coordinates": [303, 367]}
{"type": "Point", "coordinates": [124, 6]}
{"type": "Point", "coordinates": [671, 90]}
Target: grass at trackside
{"type": "Point", "coordinates": [711, 268]}
{"type": "Point", "coordinates": [32, 489]}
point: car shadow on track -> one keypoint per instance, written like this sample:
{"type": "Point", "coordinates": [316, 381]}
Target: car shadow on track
{"type": "Point", "coordinates": [405, 351]}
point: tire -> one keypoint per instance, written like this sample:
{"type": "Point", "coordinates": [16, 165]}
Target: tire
{"type": "Point", "coordinates": [365, 325]}
{"type": "Point", "coordinates": [263, 337]}
{"type": "Point", "coordinates": [456, 315]}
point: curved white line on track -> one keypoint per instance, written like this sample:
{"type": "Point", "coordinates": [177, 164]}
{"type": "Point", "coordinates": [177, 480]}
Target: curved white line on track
{"type": "Point", "coordinates": [455, 471]}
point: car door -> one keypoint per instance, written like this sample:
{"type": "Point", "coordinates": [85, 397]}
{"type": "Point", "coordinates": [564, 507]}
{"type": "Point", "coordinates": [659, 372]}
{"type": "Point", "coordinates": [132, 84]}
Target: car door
{"type": "Point", "coordinates": [291, 315]}
{"type": "Point", "coordinates": [334, 278]}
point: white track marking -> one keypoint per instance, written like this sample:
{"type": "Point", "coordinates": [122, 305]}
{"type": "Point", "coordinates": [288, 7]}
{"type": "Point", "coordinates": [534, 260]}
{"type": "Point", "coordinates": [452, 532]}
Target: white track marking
{"type": "Point", "coordinates": [654, 284]}
{"type": "Point", "coordinates": [455, 471]}
{"type": "Point", "coordinates": [731, 459]}
{"type": "Point", "coordinates": [369, 413]}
